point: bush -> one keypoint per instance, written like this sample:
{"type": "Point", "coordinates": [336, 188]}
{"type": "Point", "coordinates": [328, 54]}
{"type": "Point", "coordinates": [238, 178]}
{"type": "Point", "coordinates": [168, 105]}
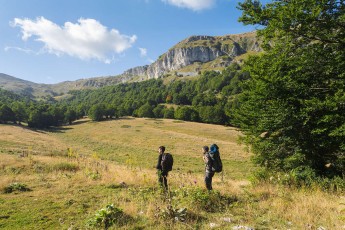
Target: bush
{"type": "Point", "coordinates": [210, 201]}
{"type": "Point", "coordinates": [298, 178]}
{"type": "Point", "coordinates": [106, 217]}
{"type": "Point", "coordinates": [16, 187]}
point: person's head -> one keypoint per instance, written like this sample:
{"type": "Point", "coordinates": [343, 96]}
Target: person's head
{"type": "Point", "coordinates": [161, 149]}
{"type": "Point", "coordinates": [205, 149]}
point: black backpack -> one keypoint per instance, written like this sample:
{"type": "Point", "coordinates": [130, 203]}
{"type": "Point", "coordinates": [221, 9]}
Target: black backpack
{"type": "Point", "coordinates": [167, 162]}
{"type": "Point", "coordinates": [217, 165]}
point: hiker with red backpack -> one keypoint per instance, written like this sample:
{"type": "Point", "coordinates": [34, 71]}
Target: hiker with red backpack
{"type": "Point", "coordinates": [213, 163]}
{"type": "Point", "coordinates": [164, 165]}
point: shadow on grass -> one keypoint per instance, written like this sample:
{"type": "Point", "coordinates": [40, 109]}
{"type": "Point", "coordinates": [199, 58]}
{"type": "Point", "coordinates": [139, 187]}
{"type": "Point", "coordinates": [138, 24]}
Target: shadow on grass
{"type": "Point", "coordinates": [79, 122]}
{"type": "Point", "coordinates": [57, 129]}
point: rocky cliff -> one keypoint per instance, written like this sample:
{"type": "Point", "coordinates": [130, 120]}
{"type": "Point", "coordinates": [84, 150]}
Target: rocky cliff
{"type": "Point", "coordinates": [199, 49]}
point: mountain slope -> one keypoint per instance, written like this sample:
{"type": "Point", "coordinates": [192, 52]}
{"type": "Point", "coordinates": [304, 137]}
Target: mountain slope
{"type": "Point", "coordinates": [189, 57]}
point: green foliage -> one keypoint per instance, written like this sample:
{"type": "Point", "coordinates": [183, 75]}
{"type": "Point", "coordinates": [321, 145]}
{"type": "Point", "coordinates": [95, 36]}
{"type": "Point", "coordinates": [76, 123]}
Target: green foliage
{"type": "Point", "coordinates": [158, 111]}
{"type": "Point", "coordinates": [70, 115]}
{"type": "Point", "coordinates": [19, 110]}
{"type": "Point", "coordinates": [6, 114]}
{"type": "Point", "coordinates": [145, 111]}
{"type": "Point", "coordinates": [16, 187]}
{"type": "Point", "coordinates": [143, 98]}
{"type": "Point", "coordinates": [169, 113]}
{"type": "Point", "coordinates": [212, 115]}
{"type": "Point", "coordinates": [300, 177]}
{"type": "Point", "coordinates": [106, 217]}
{"type": "Point", "coordinates": [201, 199]}
{"type": "Point", "coordinates": [176, 214]}
{"type": "Point", "coordinates": [97, 112]}
{"type": "Point", "coordinates": [291, 108]}
{"type": "Point", "coordinates": [186, 113]}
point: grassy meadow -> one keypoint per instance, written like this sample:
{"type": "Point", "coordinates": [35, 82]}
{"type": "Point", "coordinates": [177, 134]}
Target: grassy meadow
{"type": "Point", "coordinates": [60, 178]}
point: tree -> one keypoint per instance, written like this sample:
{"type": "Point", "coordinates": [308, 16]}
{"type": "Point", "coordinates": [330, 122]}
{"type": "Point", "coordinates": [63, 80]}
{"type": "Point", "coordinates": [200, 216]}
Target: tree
{"type": "Point", "coordinates": [6, 114]}
{"type": "Point", "coordinates": [186, 113]}
{"type": "Point", "coordinates": [169, 113]}
{"type": "Point", "coordinates": [145, 111]}
{"type": "Point", "coordinates": [292, 108]}
{"type": "Point", "coordinates": [97, 112]}
{"type": "Point", "coordinates": [159, 111]}
{"type": "Point", "coordinates": [70, 115]}
{"type": "Point", "coordinates": [212, 115]}
{"type": "Point", "coordinates": [20, 111]}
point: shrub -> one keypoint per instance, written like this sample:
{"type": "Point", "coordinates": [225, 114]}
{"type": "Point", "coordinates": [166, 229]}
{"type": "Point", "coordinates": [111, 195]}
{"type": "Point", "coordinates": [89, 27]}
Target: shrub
{"type": "Point", "coordinates": [298, 178]}
{"type": "Point", "coordinates": [106, 217]}
{"type": "Point", "coordinates": [210, 201]}
{"type": "Point", "coordinates": [16, 187]}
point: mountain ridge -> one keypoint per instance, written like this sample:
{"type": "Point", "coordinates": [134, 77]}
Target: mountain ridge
{"type": "Point", "coordinates": [188, 57]}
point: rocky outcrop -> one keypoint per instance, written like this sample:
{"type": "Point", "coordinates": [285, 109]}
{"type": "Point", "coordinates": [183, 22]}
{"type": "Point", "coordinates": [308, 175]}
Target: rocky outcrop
{"type": "Point", "coordinates": [178, 58]}
{"type": "Point", "coordinates": [200, 49]}
{"type": "Point", "coordinates": [136, 71]}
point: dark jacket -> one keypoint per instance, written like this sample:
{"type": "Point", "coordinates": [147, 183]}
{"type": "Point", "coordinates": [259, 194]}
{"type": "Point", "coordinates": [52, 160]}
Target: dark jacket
{"type": "Point", "coordinates": [159, 163]}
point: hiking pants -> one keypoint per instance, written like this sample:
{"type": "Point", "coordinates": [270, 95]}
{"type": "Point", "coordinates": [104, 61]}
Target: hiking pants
{"type": "Point", "coordinates": [162, 178]}
{"type": "Point", "coordinates": [208, 180]}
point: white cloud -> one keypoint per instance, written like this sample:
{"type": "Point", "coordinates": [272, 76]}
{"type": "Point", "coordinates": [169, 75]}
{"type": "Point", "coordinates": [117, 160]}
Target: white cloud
{"type": "Point", "coordinates": [195, 5]}
{"type": "Point", "coordinates": [143, 52]}
{"type": "Point", "coordinates": [28, 51]}
{"type": "Point", "coordinates": [87, 39]}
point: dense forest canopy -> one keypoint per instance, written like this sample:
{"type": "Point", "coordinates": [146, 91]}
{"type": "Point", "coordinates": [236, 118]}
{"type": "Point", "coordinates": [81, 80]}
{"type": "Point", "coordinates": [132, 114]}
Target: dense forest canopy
{"type": "Point", "coordinates": [208, 98]}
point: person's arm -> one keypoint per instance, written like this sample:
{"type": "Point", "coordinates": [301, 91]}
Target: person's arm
{"type": "Point", "coordinates": [208, 161]}
{"type": "Point", "coordinates": [159, 166]}
{"type": "Point", "coordinates": [204, 158]}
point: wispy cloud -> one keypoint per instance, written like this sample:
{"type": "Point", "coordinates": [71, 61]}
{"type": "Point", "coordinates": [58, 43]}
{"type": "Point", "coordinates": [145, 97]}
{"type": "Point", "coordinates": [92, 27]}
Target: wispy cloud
{"type": "Point", "coordinates": [143, 52]}
{"type": "Point", "coordinates": [28, 51]}
{"type": "Point", "coordinates": [195, 5]}
{"type": "Point", "coordinates": [86, 39]}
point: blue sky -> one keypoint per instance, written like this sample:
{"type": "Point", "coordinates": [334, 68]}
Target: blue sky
{"type": "Point", "coordinates": [50, 41]}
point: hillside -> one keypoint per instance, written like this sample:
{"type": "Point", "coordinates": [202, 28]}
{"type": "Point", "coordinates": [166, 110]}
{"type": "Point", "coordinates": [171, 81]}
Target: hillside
{"type": "Point", "coordinates": [72, 172]}
{"type": "Point", "coordinates": [25, 88]}
{"type": "Point", "coordinates": [189, 57]}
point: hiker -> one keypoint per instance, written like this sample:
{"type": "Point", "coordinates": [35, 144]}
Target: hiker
{"type": "Point", "coordinates": [213, 163]}
{"type": "Point", "coordinates": [208, 168]}
{"type": "Point", "coordinates": [164, 165]}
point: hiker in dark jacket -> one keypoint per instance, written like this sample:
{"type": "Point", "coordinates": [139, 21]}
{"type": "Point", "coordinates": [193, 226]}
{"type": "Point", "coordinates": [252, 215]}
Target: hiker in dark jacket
{"type": "Point", "coordinates": [162, 174]}
{"type": "Point", "coordinates": [208, 168]}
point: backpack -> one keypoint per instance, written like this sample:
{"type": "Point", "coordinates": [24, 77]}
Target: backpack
{"type": "Point", "coordinates": [167, 162]}
{"type": "Point", "coordinates": [217, 165]}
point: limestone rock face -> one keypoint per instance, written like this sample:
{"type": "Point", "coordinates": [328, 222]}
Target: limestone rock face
{"type": "Point", "coordinates": [178, 58]}
{"type": "Point", "coordinates": [200, 49]}
{"type": "Point", "coordinates": [136, 71]}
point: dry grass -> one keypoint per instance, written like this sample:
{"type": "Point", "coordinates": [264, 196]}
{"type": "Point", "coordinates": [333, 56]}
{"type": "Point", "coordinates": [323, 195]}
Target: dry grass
{"type": "Point", "coordinates": [115, 160]}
